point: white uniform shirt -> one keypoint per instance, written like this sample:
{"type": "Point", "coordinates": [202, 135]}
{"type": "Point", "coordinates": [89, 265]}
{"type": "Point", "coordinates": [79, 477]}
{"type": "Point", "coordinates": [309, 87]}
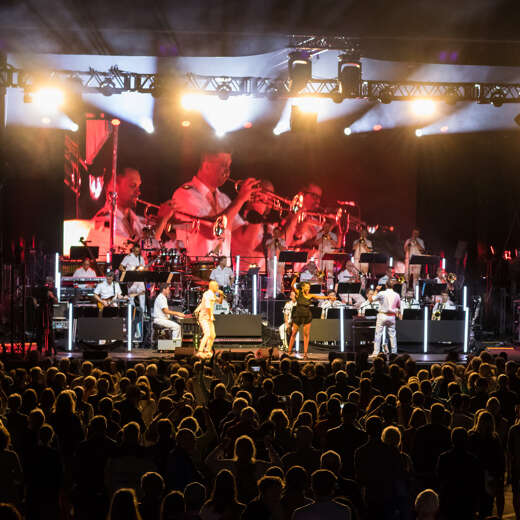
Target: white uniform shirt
{"type": "Point", "coordinates": [207, 305]}
{"type": "Point", "coordinates": [327, 242]}
{"type": "Point", "coordinates": [383, 280]}
{"type": "Point", "coordinates": [389, 301]}
{"type": "Point", "coordinates": [84, 273]}
{"type": "Point", "coordinates": [105, 290]}
{"type": "Point", "coordinates": [359, 248]}
{"type": "Point", "coordinates": [449, 306]}
{"type": "Point", "coordinates": [195, 198]}
{"type": "Point", "coordinates": [347, 276]}
{"type": "Point", "coordinates": [161, 302]}
{"type": "Point", "coordinates": [307, 276]}
{"type": "Point", "coordinates": [411, 303]}
{"type": "Point", "coordinates": [131, 262]}
{"type": "Point", "coordinates": [369, 305]}
{"type": "Point", "coordinates": [415, 247]}
{"type": "Point", "coordinates": [287, 310]}
{"type": "Point", "coordinates": [222, 276]}
{"type": "Point", "coordinates": [126, 229]}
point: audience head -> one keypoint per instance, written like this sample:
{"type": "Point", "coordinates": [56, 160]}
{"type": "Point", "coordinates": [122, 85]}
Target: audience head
{"type": "Point", "coordinates": [323, 484]}
{"type": "Point", "coordinates": [172, 506]}
{"type": "Point", "coordinates": [427, 505]}
{"type": "Point", "coordinates": [123, 505]}
{"type": "Point", "coordinates": [194, 496]}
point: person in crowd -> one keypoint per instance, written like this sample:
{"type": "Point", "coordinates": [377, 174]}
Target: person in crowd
{"type": "Point", "coordinates": [223, 503]}
{"type": "Point", "coordinates": [124, 506]}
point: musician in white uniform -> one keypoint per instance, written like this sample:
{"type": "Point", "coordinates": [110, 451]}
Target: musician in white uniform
{"type": "Point", "coordinates": [285, 327]}
{"type": "Point", "coordinates": [331, 303]}
{"type": "Point", "coordinates": [310, 273]}
{"type": "Point", "coordinates": [384, 279]}
{"type": "Point", "coordinates": [85, 271]}
{"type": "Point", "coordinates": [108, 291]}
{"type": "Point", "coordinates": [413, 246]}
{"type": "Point", "coordinates": [444, 304]}
{"type": "Point", "coordinates": [201, 197]}
{"type": "Point", "coordinates": [222, 274]}
{"type": "Point", "coordinates": [409, 302]}
{"type": "Point", "coordinates": [389, 310]}
{"type": "Point", "coordinates": [161, 312]}
{"type": "Point", "coordinates": [360, 246]}
{"type": "Point", "coordinates": [367, 304]}
{"type": "Point", "coordinates": [349, 274]}
{"type": "Point", "coordinates": [132, 262]}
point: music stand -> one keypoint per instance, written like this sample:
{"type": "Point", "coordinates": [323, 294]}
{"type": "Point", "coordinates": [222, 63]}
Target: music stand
{"type": "Point", "coordinates": [336, 257]}
{"type": "Point", "coordinates": [373, 258]}
{"type": "Point", "coordinates": [424, 259]}
{"type": "Point", "coordinates": [82, 252]}
{"type": "Point", "coordinates": [316, 312]}
{"type": "Point", "coordinates": [315, 288]}
{"type": "Point", "coordinates": [349, 288]}
{"type": "Point", "coordinates": [433, 289]}
{"type": "Point", "coordinates": [412, 314]}
{"type": "Point", "coordinates": [450, 314]}
{"type": "Point", "coordinates": [293, 257]}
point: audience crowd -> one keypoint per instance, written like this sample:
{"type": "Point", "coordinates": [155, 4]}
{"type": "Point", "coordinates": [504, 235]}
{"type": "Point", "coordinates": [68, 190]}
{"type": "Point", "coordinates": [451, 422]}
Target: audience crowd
{"type": "Point", "coordinates": [259, 440]}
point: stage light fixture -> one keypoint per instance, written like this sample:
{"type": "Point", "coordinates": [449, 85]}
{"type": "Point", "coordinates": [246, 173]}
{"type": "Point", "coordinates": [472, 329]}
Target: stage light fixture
{"type": "Point", "coordinates": [497, 97]}
{"type": "Point", "coordinates": [349, 75]}
{"type": "Point", "coordinates": [423, 107]}
{"type": "Point", "coordinates": [307, 104]}
{"type": "Point", "coordinates": [107, 86]}
{"type": "Point", "coordinates": [192, 101]}
{"type": "Point", "coordinates": [347, 131]}
{"type": "Point", "coordinates": [220, 133]}
{"type": "Point", "coordinates": [386, 95]}
{"type": "Point", "coordinates": [303, 121]}
{"type": "Point", "coordinates": [376, 128]}
{"type": "Point", "coordinates": [444, 129]}
{"type": "Point", "coordinates": [223, 92]}
{"type": "Point", "coordinates": [74, 127]}
{"type": "Point", "coordinates": [115, 122]}
{"type": "Point", "coordinates": [277, 131]}
{"type": "Point", "coordinates": [300, 70]}
{"type": "Point", "coordinates": [46, 120]}
{"type": "Point", "coordinates": [248, 124]}
{"type": "Point", "coordinates": [186, 124]}
{"type": "Point", "coordinates": [48, 99]}
{"type": "Point", "coordinates": [418, 132]}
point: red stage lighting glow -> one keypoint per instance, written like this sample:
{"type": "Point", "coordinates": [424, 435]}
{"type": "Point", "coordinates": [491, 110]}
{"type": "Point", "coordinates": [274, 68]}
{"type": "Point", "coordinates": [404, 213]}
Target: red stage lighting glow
{"type": "Point", "coordinates": [186, 124]}
{"type": "Point", "coordinates": [377, 128]}
{"type": "Point", "coordinates": [248, 124]}
{"type": "Point", "coordinates": [115, 122]}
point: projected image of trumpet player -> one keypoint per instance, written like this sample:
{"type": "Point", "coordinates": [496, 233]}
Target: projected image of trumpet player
{"type": "Point", "coordinates": [201, 200]}
{"type": "Point", "coordinates": [301, 315]}
{"type": "Point", "coordinates": [205, 314]}
{"type": "Point", "coordinates": [128, 225]}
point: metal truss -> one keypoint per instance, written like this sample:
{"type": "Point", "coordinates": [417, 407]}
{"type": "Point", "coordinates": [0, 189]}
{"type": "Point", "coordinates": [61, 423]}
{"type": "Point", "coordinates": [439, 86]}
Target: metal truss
{"type": "Point", "coordinates": [341, 43]}
{"type": "Point", "coordinates": [116, 81]}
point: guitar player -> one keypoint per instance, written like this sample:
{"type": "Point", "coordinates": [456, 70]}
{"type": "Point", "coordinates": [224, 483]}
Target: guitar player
{"type": "Point", "coordinates": [108, 292]}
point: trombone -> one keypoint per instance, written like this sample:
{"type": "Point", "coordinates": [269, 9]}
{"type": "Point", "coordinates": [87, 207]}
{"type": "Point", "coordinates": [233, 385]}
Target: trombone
{"type": "Point", "coordinates": [219, 223]}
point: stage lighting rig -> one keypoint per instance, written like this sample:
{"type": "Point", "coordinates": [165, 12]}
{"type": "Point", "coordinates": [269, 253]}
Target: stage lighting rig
{"type": "Point", "coordinates": [386, 95]}
{"type": "Point", "coordinates": [223, 91]}
{"type": "Point", "coordinates": [300, 71]}
{"type": "Point", "coordinates": [497, 97]}
{"type": "Point", "coordinates": [349, 74]}
{"type": "Point", "coordinates": [303, 120]}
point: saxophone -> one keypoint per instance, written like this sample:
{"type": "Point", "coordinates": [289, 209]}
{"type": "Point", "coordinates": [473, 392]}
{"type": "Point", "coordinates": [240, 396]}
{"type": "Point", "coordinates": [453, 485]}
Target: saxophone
{"type": "Point", "coordinates": [437, 314]}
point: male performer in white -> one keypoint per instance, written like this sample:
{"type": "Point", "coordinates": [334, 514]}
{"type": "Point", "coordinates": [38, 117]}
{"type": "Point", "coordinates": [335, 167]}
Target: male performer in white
{"type": "Point", "coordinates": [413, 246]}
{"type": "Point", "coordinates": [161, 312]}
{"type": "Point", "coordinates": [205, 315]}
{"type": "Point", "coordinates": [85, 271]}
{"type": "Point", "coordinates": [349, 275]}
{"type": "Point", "coordinates": [222, 274]}
{"type": "Point", "coordinates": [444, 304]}
{"type": "Point", "coordinates": [133, 262]}
{"type": "Point", "coordinates": [389, 309]}
{"type": "Point", "coordinates": [108, 290]}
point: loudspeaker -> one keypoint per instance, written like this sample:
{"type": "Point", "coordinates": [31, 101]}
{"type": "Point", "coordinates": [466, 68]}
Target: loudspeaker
{"type": "Point", "coordinates": [238, 326]}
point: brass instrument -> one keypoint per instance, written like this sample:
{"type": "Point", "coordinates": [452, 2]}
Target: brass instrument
{"type": "Point", "coordinates": [436, 316]}
{"type": "Point", "coordinates": [150, 210]}
{"type": "Point", "coordinates": [451, 278]}
{"type": "Point", "coordinates": [399, 278]}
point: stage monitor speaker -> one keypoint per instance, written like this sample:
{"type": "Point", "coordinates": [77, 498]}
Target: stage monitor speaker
{"type": "Point", "coordinates": [238, 326]}
{"type": "Point", "coordinates": [95, 354]}
{"type": "Point", "coordinates": [96, 329]}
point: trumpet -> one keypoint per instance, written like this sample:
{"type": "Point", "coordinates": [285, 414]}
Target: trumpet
{"type": "Point", "coordinates": [451, 277]}
{"type": "Point", "coordinates": [150, 210]}
{"type": "Point", "coordinates": [399, 278]}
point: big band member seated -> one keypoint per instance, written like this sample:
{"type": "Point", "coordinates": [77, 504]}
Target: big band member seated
{"type": "Point", "coordinates": [444, 304]}
{"type": "Point", "coordinates": [331, 303]}
{"type": "Point", "coordinates": [349, 274]}
{"type": "Point", "coordinates": [108, 292]}
{"type": "Point", "coordinates": [310, 273]}
{"type": "Point", "coordinates": [85, 271]}
{"type": "Point", "coordinates": [301, 315]}
{"type": "Point", "coordinates": [368, 304]}
{"type": "Point", "coordinates": [389, 273]}
{"type": "Point", "coordinates": [134, 261]}
{"type": "Point", "coordinates": [222, 274]}
{"type": "Point", "coordinates": [409, 302]}
{"type": "Point", "coordinates": [389, 310]}
{"type": "Point", "coordinates": [161, 312]}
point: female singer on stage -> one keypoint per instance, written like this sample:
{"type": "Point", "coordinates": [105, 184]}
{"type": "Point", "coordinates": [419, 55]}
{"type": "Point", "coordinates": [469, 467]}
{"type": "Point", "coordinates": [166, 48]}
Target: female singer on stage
{"type": "Point", "coordinates": [301, 315]}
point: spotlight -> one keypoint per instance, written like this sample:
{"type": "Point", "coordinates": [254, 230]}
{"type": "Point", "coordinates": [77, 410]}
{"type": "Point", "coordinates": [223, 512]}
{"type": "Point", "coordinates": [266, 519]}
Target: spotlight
{"type": "Point", "coordinates": [444, 129]}
{"type": "Point", "coordinates": [300, 70]}
{"type": "Point", "coordinates": [277, 131]}
{"type": "Point", "coordinates": [347, 131]}
{"type": "Point", "coordinates": [147, 125]}
{"type": "Point", "coordinates": [248, 124]}
{"type": "Point", "coordinates": [186, 124]}
{"type": "Point", "coordinates": [349, 75]}
{"type": "Point", "coordinates": [74, 127]}
{"type": "Point", "coordinates": [386, 95]}
{"type": "Point", "coordinates": [48, 99]}
{"type": "Point", "coordinates": [303, 120]}
{"type": "Point", "coordinates": [107, 87]}
{"type": "Point", "coordinates": [376, 128]}
{"type": "Point", "coordinates": [418, 132]}
{"type": "Point", "coordinates": [220, 133]}
{"type": "Point", "coordinates": [46, 120]}
{"type": "Point", "coordinates": [423, 107]}
{"type": "Point", "coordinates": [223, 92]}
{"type": "Point", "coordinates": [497, 97]}
{"type": "Point", "coordinates": [192, 101]}
{"type": "Point", "coordinates": [115, 122]}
